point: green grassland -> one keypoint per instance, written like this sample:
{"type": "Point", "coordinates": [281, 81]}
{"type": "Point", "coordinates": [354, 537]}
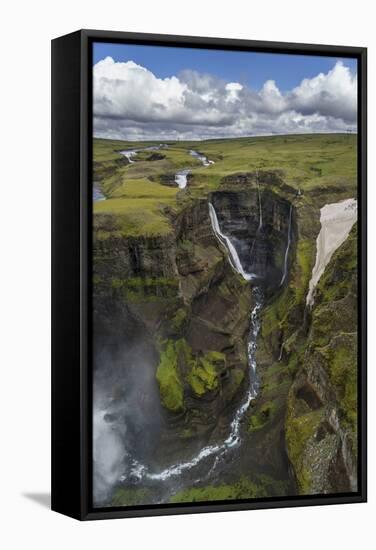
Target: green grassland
{"type": "Point", "coordinates": [142, 195]}
{"type": "Point", "coordinates": [143, 204]}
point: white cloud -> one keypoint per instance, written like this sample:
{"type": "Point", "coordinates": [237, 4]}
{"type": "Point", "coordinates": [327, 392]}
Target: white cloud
{"type": "Point", "coordinates": [130, 102]}
{"type": "Point", "coordinates": [331, 94]}
{"type": "Point", "coordinates": [272, 98]}
{"type": "Point", "coordinates": [130, 91]}
{"type": "Point", "coordinates": [233, 89]}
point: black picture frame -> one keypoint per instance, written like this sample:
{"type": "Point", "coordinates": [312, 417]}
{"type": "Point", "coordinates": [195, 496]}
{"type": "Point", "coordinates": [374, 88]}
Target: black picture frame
{"type": "Point", "coordinates": [71, 267]}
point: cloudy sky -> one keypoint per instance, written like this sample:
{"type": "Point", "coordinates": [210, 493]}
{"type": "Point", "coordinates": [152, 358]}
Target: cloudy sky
{"type": "Point", "coordinates": [156, 93]}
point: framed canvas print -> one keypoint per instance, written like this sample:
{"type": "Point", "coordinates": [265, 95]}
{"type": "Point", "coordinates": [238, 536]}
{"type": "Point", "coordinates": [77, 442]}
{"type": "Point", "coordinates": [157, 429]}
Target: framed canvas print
{"type": "Point", "coordinates": [209, 274]}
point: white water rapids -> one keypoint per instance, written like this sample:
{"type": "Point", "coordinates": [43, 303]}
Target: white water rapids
{"type": "Point", "coordinates": [181, 177]}
{"type": "Point", "coordinates": [140, 471]}
{"type": "Point", "coordinates": [226, 242]}
{"type": "Point", "coordinates": [204, 160]}
{"type": "Point", "coordinates": [131, 153]}
{"type": "Point", "coordinates": [118, 465]}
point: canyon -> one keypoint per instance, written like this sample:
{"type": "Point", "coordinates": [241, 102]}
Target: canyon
{"type": "Point", "coordinates": [212, 378]}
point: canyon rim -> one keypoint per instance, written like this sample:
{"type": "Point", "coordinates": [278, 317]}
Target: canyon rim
{"type": "Point", "coordinates": [225, 270]}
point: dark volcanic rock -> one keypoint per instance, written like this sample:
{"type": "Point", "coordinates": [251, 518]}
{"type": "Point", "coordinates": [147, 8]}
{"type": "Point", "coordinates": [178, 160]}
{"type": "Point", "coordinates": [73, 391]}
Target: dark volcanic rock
{"type": "Point", "coordinates": [260, 241]}
{"type": "Point", "coordinates": [321, 423]}
{"type": "Point", "coordinates": [156, 156]}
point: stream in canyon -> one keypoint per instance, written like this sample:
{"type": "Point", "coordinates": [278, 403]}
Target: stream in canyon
{"type": "Point", "coordinates": [114, 464]}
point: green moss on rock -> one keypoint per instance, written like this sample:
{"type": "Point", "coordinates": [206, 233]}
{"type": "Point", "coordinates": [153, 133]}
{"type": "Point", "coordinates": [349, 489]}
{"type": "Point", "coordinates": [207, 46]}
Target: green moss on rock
{"type": "Point", "coordinates": [169, 380]}
{"type": "Point", "coordinates": [243, 488]}
{"type": "Point", "coordinates": [262, 417]}
{"type": "Point", "coordinates": [340, 357]}
{"type": "Point", "coordinates": [145, 289]}
{"type": "Point", "coordinates": [204, 375]}
{"type": "Point", "coordinates": [299, 431]}
{"type": "Point", "coordinates": [179, 318]}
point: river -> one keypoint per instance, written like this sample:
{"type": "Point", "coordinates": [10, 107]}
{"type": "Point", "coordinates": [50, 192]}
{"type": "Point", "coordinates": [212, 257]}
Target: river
{"type": "Point", "coordinates": [97, 193]}
{"type": "Point", "coordinates": [131, 153]}
{"type": "Point", "coordinates": [219, 450]}
{"type": "Point", "coordinates": [181, 177]}
{"type": "Point", "coordinates": [108, 464]}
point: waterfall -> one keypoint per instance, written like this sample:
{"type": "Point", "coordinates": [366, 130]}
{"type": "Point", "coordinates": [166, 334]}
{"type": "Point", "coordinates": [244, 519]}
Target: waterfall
{"type": "Point", "coordinates": [204, 160]}
{"type": "Point", "coordinates": [287, 249]}
{"type": "Point", "coordinates": [226, 242]}
{"type": "Point", "coordinates": [129, 154]}
{"type": "Point", "coordinates": [140, 471]}
{"type": "Point", "coordinates": [181, 178]}
{"type": "Point", "coordinates": [260, 219]}
{"type": "Point", "coordinates": [108, 448]}
{"type": "Point", "coordinates": [136, 470]}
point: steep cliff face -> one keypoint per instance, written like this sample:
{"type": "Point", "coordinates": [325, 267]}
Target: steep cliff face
{"type": "Point", "coordinates": [321, 422]}
{"type": "Point", "coordinates": [178, 303]}
{"type": "Point", "coordinates": [179, 292]}
{"type": "Point", "coordinates": [173, 318]}
{"type": "Point", "coordinates": [261, 224]}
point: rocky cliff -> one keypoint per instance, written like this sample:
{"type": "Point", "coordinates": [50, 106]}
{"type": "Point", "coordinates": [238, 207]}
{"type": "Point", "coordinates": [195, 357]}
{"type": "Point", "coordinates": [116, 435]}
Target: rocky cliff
{"type": "Point", "coordinates": [321, 421]}
{"type": "Point", "coordinates": [172, 321]}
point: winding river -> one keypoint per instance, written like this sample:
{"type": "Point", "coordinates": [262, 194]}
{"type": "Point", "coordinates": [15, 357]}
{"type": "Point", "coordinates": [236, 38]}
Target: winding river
{"type": "Point", "coordinates": [204, 160]}
{"type": "Point", "coordinates": [219, 450]}
{"type": "Point", "coordinates": [131, 153]}
{"type": "Point", "coordinates": [132, 469]}
{"type": "Point", "coordinates": [120, 466]}
{"type": "Point", "coordinates": [181, 177]}
{"type": "Point", "coordinates": [97, 193]}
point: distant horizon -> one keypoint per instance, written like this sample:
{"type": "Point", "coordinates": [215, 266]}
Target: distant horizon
{"type": "Point", "coordinates": [306, 134]}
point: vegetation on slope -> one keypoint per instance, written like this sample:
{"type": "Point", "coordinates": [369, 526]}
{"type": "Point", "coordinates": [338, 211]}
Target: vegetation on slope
{"type": "Point", "coordinates": [243, 488]}
{"type": "Point", "coordinates": [180, 369]}
{"type": "Point", "coordinates": [322, 404]}
{"type": "Point", "coordinates": [143, 205]}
